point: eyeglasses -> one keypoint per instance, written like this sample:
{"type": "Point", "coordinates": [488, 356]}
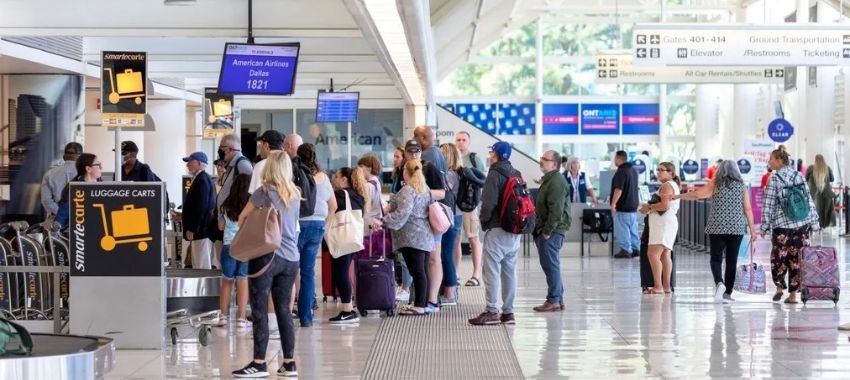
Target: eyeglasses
{"type": "Point", "coordinates": [546, 159]}
{"type": "Point", "coordinates": [662, 170]}
{"type": "Point", "coordinates": [98, 164]}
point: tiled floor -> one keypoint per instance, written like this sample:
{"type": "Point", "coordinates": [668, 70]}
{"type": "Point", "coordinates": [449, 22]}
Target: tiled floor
{"type": "Point", "coordinates": [609, 330]}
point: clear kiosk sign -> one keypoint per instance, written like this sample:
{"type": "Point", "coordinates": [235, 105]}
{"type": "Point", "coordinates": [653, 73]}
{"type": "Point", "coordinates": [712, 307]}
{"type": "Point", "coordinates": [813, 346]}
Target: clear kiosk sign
{"type": "Point", "coordinates": [116, 229]}
{"type": "Point", "coordinates": [780, 130]}
{"type": "Point", "coordinates": [690, 167]}
{"type": "Point", "coordinates": [736, 45]}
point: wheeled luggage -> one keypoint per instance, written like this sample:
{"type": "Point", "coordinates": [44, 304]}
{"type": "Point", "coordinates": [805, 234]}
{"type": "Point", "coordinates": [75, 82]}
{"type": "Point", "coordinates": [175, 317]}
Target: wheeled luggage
{"type": "Point", "coordinates": [375, 280]}
{"type": "Point", "coordinates": [646, 280]}
{"type": "Point", "coordinates": [328, 286]}
{"type": "Point", "coordinates": [819, 274]}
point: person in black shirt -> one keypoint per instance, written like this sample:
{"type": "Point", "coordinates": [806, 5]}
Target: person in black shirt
{"type": "Point", "coordinates": [133, 169]}
{"type": "Point", "coordinates": [353, 183]}
{"type": "Point", "coordinates": [625, 201]}
{"type": "Point", "coordinates": [434, 181]}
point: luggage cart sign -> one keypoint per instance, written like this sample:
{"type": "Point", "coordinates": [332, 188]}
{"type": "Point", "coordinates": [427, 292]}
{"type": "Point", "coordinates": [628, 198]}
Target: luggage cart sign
{"type": "Point", "coordinates": [122, 89]}
{"type": "Point", "coordinates": [117, 229]}
{"type": "Point", "coordinates": [218, 113]}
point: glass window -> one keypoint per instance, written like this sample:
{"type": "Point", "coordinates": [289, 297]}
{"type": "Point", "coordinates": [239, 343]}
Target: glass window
{"type": "Point", "coordinates": [377, 131]}
{"type": "Point", "coordinates": [519, 43]}
{"type": "Point", "coordinates": [681, 119]}
{"type": "Point", "coordinates": [569, 79]}
{"type": "Point", "coordinates": [577, 40]}
{"type": "Point", "coordinates": [479, 79]}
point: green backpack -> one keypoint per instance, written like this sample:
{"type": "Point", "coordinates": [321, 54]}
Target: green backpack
{"type": "Point", "coordinates": [796, 206]}
{"type": "Point", "coordinates": [10, 332]}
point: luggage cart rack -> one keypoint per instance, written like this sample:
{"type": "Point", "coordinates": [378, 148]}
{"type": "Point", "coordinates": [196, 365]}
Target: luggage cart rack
{"type": "Point", "coordinates": [203, 323]}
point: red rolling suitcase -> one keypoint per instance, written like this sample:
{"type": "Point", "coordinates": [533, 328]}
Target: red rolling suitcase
{"type": "Point", "coordinates": [328, 288]}
{"type": "Point", "coordinates": [376, 279]}
{"type": "Point", "coordinates": [819, 272]}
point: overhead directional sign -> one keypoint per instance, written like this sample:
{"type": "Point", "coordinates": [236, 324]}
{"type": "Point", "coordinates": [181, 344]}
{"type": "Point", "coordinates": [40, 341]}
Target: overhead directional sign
{"type": "Point", "coordinates": [616, 66]}
{"type": "Point", "coordinates": [737, 45]}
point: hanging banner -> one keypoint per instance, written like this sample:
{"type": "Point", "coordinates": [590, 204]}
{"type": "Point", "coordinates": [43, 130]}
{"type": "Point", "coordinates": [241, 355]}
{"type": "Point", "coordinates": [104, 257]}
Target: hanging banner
{"type": "Point", "coordinates": [738, 44]}
{"type": "Point", "coordinates": [122, 89]}
{"type": "Point", "coordinates": [641, 119]}
{"type": "Point", "coordinates": [560, 119]}
{"type": "Point", "coordinates": [600, 119]}
{"type": "Point", "coordinates": [616, 66]}
{"type": "Point", "coordinates": [218, 113]}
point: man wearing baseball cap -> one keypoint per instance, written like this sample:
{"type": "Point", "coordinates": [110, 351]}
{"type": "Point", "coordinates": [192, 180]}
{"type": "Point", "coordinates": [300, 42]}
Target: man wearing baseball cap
{"type": "Point", "coordinates": [270, 141]}
{"type": "Point", "coordinates": [500, 246]}
{"type": "Point", "coordinates": [198, 210]}
{"type": "Point", "coordinates": [55, 179]}
{"type": "Point", "coordinates": [133, 169]}
{"type": "Point", "coordinates": [434, 181]}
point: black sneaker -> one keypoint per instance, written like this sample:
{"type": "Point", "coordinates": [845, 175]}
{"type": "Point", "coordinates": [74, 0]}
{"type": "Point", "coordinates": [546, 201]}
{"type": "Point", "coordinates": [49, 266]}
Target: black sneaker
{"type": "Point", "coordinates": [636, 254]}
{"type": "Point", "coordinates": [508, 319]}
{"type": "Point", "coordinates": [252, 371]}
{"type": "Point", "coordinates": [345, 317]}
{"type": "Point", "coordinates": [622, 255]}
{"type": "Point", "coordinates": [288, 370]}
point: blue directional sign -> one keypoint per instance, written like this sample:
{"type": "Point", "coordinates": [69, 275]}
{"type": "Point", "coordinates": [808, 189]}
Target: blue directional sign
{"type": "Point", "coordinates": [690, 167]}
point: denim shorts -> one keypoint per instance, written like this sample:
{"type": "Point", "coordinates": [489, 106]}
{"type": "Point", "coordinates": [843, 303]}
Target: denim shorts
{"type": "Point", "coordinates": [232, 269]}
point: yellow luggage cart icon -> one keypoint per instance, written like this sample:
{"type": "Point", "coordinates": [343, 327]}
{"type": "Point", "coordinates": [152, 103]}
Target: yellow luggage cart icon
{"type": "Point", "coordinates": [129, 225]}
{"type": "Point", "coordinates": [130, 85]}
{"type": "Point", "coordinates": [221, 108]}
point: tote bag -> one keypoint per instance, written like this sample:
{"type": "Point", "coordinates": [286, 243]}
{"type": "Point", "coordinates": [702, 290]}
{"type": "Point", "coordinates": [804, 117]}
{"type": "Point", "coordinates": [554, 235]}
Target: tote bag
{"type": "Point", "coordinates": [258, 236]}
{"type": "Point", "coordinates": [750, 278]}
{"type": "Point", "coordinates": [438, 217]}
{"type": "Point", "coordinates": [344, 230]}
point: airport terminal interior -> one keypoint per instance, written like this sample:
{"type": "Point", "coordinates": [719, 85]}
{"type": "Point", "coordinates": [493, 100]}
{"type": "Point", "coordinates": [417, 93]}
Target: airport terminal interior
{"type": "Point", "coordinates": [464, 189]}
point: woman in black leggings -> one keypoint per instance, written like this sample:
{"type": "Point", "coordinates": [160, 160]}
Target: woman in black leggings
{"type": "Point", "coordinates": [352, 182]}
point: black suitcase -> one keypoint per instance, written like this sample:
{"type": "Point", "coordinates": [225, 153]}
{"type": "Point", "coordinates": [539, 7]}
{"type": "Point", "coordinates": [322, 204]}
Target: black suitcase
{"type": "Point", "coordinates": [646, 280]}
{"type": "Point", "coordinates": [375, 284]}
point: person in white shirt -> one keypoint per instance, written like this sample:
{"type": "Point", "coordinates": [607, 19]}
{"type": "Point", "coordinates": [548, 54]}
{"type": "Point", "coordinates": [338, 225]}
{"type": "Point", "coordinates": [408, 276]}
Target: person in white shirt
{"type": "Point", "coordinates": [55, 179]}
{"type": "Point", "coordinates": [270, 141]}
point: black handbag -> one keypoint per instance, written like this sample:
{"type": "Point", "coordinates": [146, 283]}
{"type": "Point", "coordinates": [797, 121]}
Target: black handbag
{"type": "Point", "coordinates": [598, 220]}
{"type": "Point", "coordinates": [655, 198]}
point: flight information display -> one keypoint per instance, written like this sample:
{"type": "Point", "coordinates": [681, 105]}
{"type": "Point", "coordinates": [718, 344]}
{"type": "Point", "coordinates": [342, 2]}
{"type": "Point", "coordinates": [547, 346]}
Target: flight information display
{"type": "Point", "coordinates": [337, 107]}
{"type": "Point", "coordinates": [258, 69]}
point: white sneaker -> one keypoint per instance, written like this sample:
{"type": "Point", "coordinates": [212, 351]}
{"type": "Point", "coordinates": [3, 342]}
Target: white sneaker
{"type": "Point", "coordinates": [402, 295]}
{"type": "Point", "coordinates": [718, 292]}
{"type": "Point", "coordinates": [844, 327]}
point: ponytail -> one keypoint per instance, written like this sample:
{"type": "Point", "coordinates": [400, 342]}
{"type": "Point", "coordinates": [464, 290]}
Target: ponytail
{"type": "Point", "coordinates": [781, 155]}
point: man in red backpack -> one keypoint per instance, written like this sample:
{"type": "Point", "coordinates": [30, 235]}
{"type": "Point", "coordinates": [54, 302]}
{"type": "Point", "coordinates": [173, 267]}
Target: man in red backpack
{"type": "Point", "coordinates": [500, 245]}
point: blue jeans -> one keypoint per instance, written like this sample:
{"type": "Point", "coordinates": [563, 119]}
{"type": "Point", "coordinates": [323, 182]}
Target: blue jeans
{"type": "Point", "coordinates": [406, 278]}
{"type": "Point", "coordinates": [626, 231]}
{"type": "Point", "coordinates": [549, 253]}
{"type": "Point", "coordinates": [447, 253]}
{"type": "Point", "coordinates": [309, 241]}
{"type": "Point", "coordinates": [232, 269]}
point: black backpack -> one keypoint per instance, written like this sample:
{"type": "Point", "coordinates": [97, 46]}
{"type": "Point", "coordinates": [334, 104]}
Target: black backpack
{"type": "Point", "coordinates": [469, 194]}
{"type": "Point", "coordinates": [302, 178]}
{"type": "Point", "coordinates": [598, 220]}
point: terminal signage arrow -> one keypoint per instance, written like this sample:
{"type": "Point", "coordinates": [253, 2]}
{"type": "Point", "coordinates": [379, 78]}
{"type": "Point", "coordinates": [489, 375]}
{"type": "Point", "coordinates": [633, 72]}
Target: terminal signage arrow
{"type": "Point", "coordinates": [741, 45]}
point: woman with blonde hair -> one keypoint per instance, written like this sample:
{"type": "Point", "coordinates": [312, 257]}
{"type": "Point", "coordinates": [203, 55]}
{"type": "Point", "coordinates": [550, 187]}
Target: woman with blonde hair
{"type": "Point", "coordinates": [351, 184]}
{"type": "Point", "coordinates": [278, 268]}
{"type": "Point", "coordinates": [450, 252]}
{"type": "Point", "coordinates": [819, 177]}
{"type": "Point", "coordinates": [663, 227]}
{"type": "Point", "coordinates": [407, 218]}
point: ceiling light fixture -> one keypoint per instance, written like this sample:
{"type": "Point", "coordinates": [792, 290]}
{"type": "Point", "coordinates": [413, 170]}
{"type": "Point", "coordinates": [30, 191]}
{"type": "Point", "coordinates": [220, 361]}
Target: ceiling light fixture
{"type": "Point", "coordinates": [179, 2]}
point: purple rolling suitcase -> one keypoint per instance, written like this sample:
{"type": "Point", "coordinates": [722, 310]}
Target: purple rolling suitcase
{"type": "Point", "coordinates": [375, 283]}
{"type": "Point", "coordinates": [819, 272]}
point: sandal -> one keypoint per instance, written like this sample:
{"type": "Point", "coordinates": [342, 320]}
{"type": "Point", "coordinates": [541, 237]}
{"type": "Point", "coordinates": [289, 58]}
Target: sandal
{"type": "Point", "coordinates": [651, 291]}
{"type": "Point", "coordinates": [411, 311]}
{"type": "Point", "coordinates": [473, 282]}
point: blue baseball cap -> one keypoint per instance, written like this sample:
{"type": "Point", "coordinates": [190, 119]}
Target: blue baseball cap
{"type": "Point", "coordinates": [502, 150]}
{"type": "Point", "coordinates": [197, 156]}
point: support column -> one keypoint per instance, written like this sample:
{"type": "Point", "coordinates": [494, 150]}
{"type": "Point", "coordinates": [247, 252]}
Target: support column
{"type": "Point", "coordinates": [801, 130]}
{"type": "Point", "coordinates": [746, 123]}
{"type": "Point", "coordinates": [706, 144]}
{"type": "Point", "coordinates": [538, 94]}
{"type": "Point", "coordinates": [164, 149]}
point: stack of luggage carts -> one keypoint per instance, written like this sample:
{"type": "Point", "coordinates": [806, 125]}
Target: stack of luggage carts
{"type": "Point", "coordinates": [30, 295]}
